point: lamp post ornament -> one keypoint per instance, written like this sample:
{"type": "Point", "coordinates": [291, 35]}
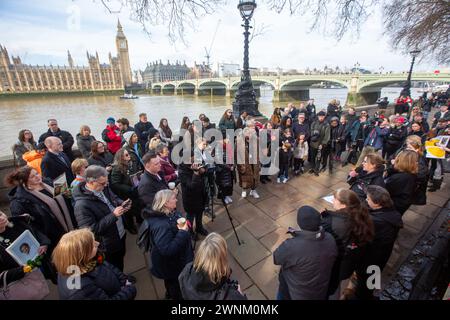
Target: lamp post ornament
{"type": "Point", "coordinates": [245, 99]}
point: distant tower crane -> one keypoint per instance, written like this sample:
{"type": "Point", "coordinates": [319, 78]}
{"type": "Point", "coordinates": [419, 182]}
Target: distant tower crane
{"type": "Point", "coordinates": [208, 52]}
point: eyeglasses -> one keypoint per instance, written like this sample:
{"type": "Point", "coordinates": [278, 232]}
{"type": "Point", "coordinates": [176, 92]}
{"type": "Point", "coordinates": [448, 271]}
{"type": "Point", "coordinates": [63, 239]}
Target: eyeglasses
{"type": "Point", "coordinates": [104, 184]}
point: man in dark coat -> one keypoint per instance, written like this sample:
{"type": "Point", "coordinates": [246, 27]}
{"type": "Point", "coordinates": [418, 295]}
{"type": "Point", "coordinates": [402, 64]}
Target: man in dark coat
{"type": "Point", "coordinates": [97, 208]}
{"type": "Point", "coordinates": [152, 180]}
{"type": "Point", "coordinates": [301, 127]}
{"type": "Point", "coordinates": [65, 136]}
{"type": "Point", "coordinates": [320, 135]}
{"type": "Point", "coordinates": [306, 260]}
{"type": "Point", "coordinates": [55, 161]}
{"type": "Point", "coordinates": [442, 114]}
{"type": "Point", "coordinates": [142, 129]}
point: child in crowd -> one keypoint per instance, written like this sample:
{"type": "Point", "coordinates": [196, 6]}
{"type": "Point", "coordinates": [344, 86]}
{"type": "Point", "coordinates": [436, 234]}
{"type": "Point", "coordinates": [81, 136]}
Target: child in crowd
{"type": "Point", "coordinates": [300, 154]}
{"type": "Point", "coordinates": [285, 157]}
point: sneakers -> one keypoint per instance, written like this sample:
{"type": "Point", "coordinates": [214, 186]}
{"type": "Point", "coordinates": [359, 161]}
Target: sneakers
{"type": "Point", "coordinates": [244, 194]}
{"type": "Point", "coordinates": [228, 200]}
{"type": "Point", "coordinates": [278, 180]}
{"type": "Point", "coordinates": [285, 180]}
{"type": "Point", "coordinates": [254, 194]}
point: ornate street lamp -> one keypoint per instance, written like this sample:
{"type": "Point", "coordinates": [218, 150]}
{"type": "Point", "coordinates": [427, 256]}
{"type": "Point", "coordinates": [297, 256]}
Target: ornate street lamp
{"type": "Point", "coordinates": [245, 95]}
{"type": "Point", "coordinates": [407, 88]}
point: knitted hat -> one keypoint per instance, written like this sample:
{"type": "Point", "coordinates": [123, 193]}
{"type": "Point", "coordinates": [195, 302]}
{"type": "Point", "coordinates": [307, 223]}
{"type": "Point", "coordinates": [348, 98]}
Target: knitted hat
{"type": "Point", "coordinates": [308, 218]}
{"type": "Point", "coordinates": [400, 120]}
{"type": "Point", "coordinates": [110, 119]}
{"type": "Point", "coordinates": [334, 119]}
{"type": "Point", "coordinates": [321, 113]}
{"type": "Point", "coordinates": [127, 136]}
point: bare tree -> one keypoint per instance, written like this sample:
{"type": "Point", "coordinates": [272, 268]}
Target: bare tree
{"type": "Point", "coordinates": [418, 24]}
{"type": "Point", "coordinates": [175, 14]}
{"type": "Point", "coordinates": [424, 24]}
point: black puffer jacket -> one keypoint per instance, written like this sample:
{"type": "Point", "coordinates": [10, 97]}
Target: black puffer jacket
{"type": "Point", "coordinates": [84, 144]}
{"type": "Point", "coordinates": [420, 196]}
{"type": "Point", "coordinates": [401, 187]}
{"type": "Point", "coordinates": [395, 137]}
{"type": "Point", "coordinates": [193, 190]}
{"type": "Point", "coordinates": [387, 223]}
{"type": "Point", "coordinates": [172, 248]}
{"type": "Point", "coordinates": [197, 286]}
{"type": "Point", "coordinates": [360, 183]}
{"type": "Point", "coordinates": [93, 213]}
{"type": "Point", "coordinates": [105, 282]}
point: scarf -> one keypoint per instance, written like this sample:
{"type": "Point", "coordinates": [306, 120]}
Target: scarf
{"type": "Point", "coordinates": [56, 205]}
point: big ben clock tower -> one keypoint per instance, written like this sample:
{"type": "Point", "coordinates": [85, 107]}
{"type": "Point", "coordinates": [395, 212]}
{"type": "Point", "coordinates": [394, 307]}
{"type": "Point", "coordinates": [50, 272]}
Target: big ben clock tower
{"type": "Point", "coordinates": [122, 53]}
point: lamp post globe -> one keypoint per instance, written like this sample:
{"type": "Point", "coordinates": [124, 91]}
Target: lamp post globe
{"type": "Point", "coordinates": [245, 98]}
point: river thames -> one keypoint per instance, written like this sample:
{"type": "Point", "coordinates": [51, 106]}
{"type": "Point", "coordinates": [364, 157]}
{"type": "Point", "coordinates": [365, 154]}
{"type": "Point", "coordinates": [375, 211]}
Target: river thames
{"type": "Point", "coordinates": [74, 111]}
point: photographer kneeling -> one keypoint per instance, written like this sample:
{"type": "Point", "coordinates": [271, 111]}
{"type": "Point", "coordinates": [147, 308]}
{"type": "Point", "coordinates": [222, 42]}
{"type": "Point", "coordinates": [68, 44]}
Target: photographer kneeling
{"type": "Point", "coordinates": [208, 277]}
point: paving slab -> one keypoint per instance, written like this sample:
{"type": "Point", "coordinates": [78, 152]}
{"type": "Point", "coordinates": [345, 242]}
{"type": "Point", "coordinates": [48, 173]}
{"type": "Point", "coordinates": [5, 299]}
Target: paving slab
{"type": "Point", "coordinates": [265, 276]}
{"type": "Point", "coordinates": [273, 240]}
{"type": "Point", "coordinates": [417, 221]}
{"type": "Point", "coordinates": [249, 244]}
{"type": "Point", "coordinates": [254, 220]}
{"type": "Point", "coordinates": [253, 293]}
{"type": "Point", "coordinates": [275, 207]}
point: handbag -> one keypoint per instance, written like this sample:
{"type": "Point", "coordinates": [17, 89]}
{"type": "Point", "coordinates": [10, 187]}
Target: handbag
{"type": "Point", "coordinates": [32, 286]}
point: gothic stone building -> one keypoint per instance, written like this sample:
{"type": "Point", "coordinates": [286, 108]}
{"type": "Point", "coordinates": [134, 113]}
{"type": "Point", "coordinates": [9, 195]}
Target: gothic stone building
{"type": "Point", "coordinates": [19, 77]}
{"type": "Point", "coordinates": [159, 72]}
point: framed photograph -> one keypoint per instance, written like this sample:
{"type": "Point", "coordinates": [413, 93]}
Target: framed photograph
{"type": "Point", "coordinates": [24, 248]}
{"type": "Point", "coordinates": [60, 185]}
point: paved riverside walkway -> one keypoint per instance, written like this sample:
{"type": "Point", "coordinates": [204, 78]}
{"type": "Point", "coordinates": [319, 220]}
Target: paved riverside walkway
{"type": "Point", "coordinates": [262, 223]}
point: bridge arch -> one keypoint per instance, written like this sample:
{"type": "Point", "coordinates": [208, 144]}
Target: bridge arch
{"type": "Point", "coordinates": [256, 83]}
{"type": "Point", "coordinates": [156, 88]}
{"type": "Point", "coordinates": [168, 88]}
{"type": "Point", "coordinates": [306, 83]}
{"type": "Point", "coordinates": [212, 87]}
{"type": "Point", "coordinates": [186, 87]}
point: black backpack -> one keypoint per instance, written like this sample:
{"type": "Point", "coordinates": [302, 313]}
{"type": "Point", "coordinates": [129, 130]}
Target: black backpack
{"type": "Point", "coordinates": [144, 239]}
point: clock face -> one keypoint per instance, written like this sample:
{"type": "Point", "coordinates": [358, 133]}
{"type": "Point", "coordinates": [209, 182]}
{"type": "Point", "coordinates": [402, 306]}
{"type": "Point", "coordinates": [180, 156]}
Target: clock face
{"type": "Point", "coordinates": [123, 45]}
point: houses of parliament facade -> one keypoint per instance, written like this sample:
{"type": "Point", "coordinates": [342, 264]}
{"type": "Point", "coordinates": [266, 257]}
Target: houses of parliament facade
{"type": "Point", "coordinates": [17, 77]}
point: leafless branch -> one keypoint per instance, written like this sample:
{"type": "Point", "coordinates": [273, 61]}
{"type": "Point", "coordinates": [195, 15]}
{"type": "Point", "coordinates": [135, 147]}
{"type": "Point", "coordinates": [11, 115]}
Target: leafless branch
{"type": "Point", "coordinates": [424, 25]}
{"type": "Point", "coordinates": [258, 30]}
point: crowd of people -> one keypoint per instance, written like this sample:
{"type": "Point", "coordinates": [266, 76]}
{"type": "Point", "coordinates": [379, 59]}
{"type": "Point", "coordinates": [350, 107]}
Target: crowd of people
{"type": "Point", "coordinates": [130, 179]}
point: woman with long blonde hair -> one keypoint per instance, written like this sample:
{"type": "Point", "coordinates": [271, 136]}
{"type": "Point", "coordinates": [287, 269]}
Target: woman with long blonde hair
{"type": "Point", "coordinates": [401, 179]}
{"type": "Point", "coordinates": [208, 277]}
{"type": "Point", "coordinates": [82, 272]}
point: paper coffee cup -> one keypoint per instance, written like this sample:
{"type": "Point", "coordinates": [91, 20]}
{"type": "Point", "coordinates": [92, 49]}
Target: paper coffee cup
{"type": "Point", "coordinates": [171, 185]}
{"type": "Point", "coordinates": [181, 222]}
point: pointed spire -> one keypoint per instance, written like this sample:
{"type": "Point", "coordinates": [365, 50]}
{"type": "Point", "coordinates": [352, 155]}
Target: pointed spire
{"type": "Point", "coordinates": [119, 26]}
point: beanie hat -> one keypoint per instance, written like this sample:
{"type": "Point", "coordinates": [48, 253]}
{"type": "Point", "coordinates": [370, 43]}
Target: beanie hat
{"type": "Point", "coordinates": [334, 119]}
{"type": "Point", "coordinates": [400, 120]}
{"type": "Point", "coordinates": [151, 133]}
{"type": "Point", "coordinates": [127, 136]}
{"type": "Point", "coordinates": [321, 113]}
{"type": "Point", "coordinates": [110, 119]}
{"type": "Point", "coordinates": [308, 218]}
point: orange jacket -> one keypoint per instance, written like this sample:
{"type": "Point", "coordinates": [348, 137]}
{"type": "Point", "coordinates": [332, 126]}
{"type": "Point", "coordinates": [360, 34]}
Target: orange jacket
{"type": "Point", "coordinates": [34, 159]}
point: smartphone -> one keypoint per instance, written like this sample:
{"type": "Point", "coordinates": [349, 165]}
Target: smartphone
{"type": "Point", "coordinates": [126, 203]}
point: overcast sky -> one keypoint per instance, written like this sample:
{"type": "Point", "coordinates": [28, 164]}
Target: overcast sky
{"type": "Point", "coordinates": [41, 32]}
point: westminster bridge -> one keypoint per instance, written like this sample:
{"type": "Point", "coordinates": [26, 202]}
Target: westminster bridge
{"type": "Point", "coordinates": [363, 89]}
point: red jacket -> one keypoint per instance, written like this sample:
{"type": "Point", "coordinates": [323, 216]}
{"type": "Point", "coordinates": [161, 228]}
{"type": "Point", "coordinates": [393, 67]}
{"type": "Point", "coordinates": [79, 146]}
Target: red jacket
{"type": "Point", "coordinates": [169, 171]}
{"type": "Point", "coordinates": [112, 137]}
